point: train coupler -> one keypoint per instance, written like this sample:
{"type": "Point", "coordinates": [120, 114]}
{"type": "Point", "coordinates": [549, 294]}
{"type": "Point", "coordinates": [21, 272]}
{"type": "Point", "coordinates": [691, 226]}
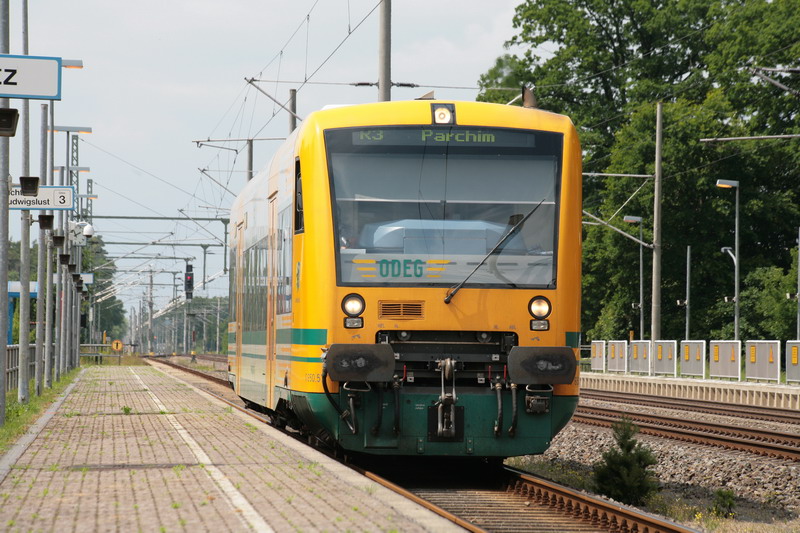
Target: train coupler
{"type": "Point", "coordinates": [446, 406]}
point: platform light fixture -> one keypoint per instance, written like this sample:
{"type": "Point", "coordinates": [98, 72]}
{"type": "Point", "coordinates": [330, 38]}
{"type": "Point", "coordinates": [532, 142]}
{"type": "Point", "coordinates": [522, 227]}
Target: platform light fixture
{"type": "Point", "coordinates": [9, 117]}
{"type": "Point", "coordinates": [73, 129]}
{"type": "Point", "coordinates": [638, 220]}
{"type": "Point", "coordinates": [29, 185]}
{"type": "Point", "coordinates": [732, 184]}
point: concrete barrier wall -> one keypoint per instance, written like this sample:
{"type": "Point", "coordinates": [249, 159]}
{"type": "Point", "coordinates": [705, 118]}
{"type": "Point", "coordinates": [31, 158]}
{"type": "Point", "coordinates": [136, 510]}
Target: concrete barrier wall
{"type": "Point", "coordinates": [741, 393]}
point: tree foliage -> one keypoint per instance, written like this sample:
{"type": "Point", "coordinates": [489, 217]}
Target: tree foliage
{"type": "Point", "coordinates": [606, 64]}
{"type": "Point", "coordinates": [623, 473]}
{"type": "Point", "coordinates": [109, 310]}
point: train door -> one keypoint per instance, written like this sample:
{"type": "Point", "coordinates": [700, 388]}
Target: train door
{"type": "Point", "coordinates": [272, 285]}
{"type": "Point", "coordinates": [239, 303]}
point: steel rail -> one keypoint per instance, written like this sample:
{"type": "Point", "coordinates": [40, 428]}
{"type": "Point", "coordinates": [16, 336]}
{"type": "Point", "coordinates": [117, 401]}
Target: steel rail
{"type": "Point", "coordinates": [581, 507]}
{"type": "Point", "coordinates": [772, 414]}
{"type": "Point", "coordinates": [697, 432]}
{"type": "Point", "coordinates": [265, 419]}
{"type": "Point", "coordinates": [603, 513]}
{"type": "Point", "coordinates": [162, 359]}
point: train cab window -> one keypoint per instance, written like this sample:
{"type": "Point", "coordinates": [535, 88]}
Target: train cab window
{"type": "Point", "coordinates": [299, 223]}
{"type": "Point", "coordinates": [423, 205]}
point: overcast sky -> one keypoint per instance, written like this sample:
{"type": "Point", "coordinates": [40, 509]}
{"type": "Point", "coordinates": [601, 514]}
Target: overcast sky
{"type": "Point", "coordinates": [161, 74]}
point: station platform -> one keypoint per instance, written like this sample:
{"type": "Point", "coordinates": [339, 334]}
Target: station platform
{"type": "Point", "coordinates": [755, 394]}
{"type": "Point", "coordinates": [133, 448]}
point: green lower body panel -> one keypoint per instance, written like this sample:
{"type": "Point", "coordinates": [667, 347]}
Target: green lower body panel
{"type": "Point", "coordinates": [539, 417]}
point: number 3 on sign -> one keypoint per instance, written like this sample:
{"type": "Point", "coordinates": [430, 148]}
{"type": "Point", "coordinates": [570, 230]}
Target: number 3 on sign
{"type": "Point", "coordinates": [62, 199]}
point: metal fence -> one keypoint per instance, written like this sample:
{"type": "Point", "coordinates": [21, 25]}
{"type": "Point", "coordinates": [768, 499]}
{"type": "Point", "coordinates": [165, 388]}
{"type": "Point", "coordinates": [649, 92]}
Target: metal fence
{"type": "Point", "coordinates": [793, 361]}
{"type": "Point", "coordinates": [12, 365]}
{"type": "Point", "coordinates": [760, 360]}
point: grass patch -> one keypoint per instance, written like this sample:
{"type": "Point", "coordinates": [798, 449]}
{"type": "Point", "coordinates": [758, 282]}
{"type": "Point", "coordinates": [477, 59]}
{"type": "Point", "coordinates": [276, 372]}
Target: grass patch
{"type": "Point", "coordinates": [19, 417]}
{"type": "Point", "coordinates": [569, 473]}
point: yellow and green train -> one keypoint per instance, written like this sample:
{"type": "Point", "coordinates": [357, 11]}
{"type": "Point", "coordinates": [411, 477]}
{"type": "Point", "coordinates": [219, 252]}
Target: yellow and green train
{"type": "Point", "coordinates": [405, 279]}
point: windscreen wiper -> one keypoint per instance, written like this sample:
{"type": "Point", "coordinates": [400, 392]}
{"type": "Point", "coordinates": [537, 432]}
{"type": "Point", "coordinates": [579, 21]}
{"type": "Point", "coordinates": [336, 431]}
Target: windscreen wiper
{"type": "Point", "coordinates": [453, 290]}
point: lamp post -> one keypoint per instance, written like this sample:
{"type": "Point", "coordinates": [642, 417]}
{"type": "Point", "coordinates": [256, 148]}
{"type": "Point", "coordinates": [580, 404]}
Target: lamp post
{"type": "Point", "coordinates": [796, 296]}
{"type": "Point", "coordinates": [45, 257]}
{"type": "Point", "coordinates": [638, 220]}
{"type": "Point", "coordinates": [732, 184]}
{"type": "Point", "coordinates": [67, 296]}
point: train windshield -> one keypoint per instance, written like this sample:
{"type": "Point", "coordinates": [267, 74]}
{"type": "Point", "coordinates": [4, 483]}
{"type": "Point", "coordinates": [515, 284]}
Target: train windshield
{"type": "Point", "coordinates": [424, 205]}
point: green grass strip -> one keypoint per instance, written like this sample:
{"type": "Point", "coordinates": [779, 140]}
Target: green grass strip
{"type": "Point", "coordinates": [20, 416]}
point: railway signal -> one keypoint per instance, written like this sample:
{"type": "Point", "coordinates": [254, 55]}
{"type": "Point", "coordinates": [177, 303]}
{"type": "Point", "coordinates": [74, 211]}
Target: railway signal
{"type": "Point", "coordinates": [188, 282]}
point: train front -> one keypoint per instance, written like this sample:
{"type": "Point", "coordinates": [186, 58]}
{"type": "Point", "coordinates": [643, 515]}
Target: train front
{"type": "Point", "coordinates": [456, 251]}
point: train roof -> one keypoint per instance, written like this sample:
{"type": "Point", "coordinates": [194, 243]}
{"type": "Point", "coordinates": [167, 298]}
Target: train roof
{"type": "Point", "coordinates": [419, 112]}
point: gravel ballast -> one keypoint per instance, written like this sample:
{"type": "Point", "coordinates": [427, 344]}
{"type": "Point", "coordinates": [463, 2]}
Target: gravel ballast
{"type": "Point", "coordinates": [767, 490]}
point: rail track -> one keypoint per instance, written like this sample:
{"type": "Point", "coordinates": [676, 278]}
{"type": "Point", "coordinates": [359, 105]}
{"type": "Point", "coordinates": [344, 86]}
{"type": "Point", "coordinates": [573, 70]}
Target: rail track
{"type": "Point", "coordinates": [511, 501]}
{"type": "Point", "coordinates": [760, 442]}
{"type": "Point", "coordinates": [771, 414]}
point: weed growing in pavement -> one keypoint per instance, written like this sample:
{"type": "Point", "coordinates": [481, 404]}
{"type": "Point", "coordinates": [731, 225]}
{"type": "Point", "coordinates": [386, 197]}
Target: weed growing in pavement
{"type": "Point", "coordinates": [176, 505]}
{"type": "Point", "coordinates": [178, 469]}
{"type": "Point", "coordinates": [126, 410]}
{"type": "Point", "coordinates": [312, 467]}
{"type": "Point", "coordinates": [54, 467]}
{"type": "Point", "coordinates": [370, 489]}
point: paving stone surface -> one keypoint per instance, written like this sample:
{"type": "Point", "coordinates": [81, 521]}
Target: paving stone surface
{"type": "Point", "coordinates": [135, 449]}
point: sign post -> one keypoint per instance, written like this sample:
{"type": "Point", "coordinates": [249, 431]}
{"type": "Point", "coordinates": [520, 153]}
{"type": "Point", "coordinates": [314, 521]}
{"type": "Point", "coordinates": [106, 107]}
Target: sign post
{"type": "Point", "coordinates": [25, 77]}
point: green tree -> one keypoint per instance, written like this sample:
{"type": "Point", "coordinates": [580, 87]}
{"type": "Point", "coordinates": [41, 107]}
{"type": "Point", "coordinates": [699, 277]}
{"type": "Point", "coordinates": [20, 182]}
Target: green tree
{"type": "Point", "coordinates": [612, 62]}
{"type": "Point", "coordinates": [109, 311]}
{"type": "Point", "coordinates": [623, 473]}
{"type": "Point", "coordinates": [766, 312]}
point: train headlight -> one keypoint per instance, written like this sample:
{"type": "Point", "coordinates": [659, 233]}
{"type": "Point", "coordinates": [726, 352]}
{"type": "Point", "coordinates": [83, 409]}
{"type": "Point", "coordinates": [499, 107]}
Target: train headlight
{"type": "Point", "coordinates": [539, 307]}
{"type": "Point", "coordinates": [443, 113]}
{"type": "Point", "coordinates": [353, 305]}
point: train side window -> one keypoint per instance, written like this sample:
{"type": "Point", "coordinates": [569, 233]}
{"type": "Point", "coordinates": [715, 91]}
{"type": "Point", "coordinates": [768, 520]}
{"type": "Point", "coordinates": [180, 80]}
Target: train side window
{"type": "Point", "coordinates": [299, 225]}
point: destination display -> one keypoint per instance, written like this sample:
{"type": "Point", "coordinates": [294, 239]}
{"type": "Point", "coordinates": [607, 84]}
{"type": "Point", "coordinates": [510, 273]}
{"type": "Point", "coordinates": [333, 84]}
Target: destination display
{"type": "Point", "coordinates": [448, 135]}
